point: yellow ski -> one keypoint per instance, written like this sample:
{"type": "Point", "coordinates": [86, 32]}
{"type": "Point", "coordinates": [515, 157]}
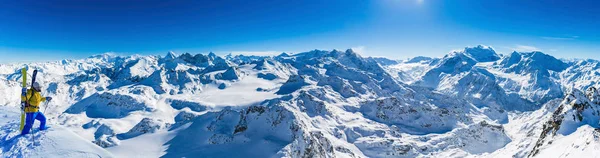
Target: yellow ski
{"type": "Point", "coordinates": [24, 85]}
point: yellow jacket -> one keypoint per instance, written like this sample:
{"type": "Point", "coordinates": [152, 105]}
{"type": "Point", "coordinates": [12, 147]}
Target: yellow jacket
{"type": "Point", "coordinates": [33, 100]}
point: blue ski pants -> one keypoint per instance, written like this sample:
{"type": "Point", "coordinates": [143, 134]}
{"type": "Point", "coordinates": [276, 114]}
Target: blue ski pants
{"type": "Point", "coordinates": [30, 117]}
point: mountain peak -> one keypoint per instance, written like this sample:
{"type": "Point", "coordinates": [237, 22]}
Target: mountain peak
{"type": "Point", "coordinates": [170, 55]}
{"type": "Point", "coordinates": [284, 54]}
{"type": "Point", "coordinates": [418, 59]}
{"type": "Point", "coordinates": [481, 53]}
{"type": "Point", "coordinates": [212, 55]}
{"type": "Point", "coordinates": [104, 55]}
{"type": "Point", "coordinates": [536, 60]}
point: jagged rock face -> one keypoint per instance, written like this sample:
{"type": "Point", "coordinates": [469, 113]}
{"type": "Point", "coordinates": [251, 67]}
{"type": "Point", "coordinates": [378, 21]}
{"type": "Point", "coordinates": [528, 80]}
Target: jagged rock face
{"type": "Point", "coordinates": [312, 144]}
{"type": "Point", "coordinates": [576, 109]}
{"type": "Point", "coordinates": [479, 135]}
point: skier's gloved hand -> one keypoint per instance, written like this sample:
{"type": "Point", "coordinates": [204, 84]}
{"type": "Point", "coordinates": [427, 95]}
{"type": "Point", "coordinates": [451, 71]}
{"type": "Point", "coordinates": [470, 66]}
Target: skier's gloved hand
{"type": "Point", "coordinates": [48, 98]}
{"type": "Point", "coordinates": [23, 91]}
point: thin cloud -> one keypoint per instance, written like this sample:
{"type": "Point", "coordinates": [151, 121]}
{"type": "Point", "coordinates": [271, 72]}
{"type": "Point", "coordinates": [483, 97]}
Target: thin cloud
{"type": "Point", "coordinates": [257, 53]}
{"type": "Point", "coordinates": [525, 48]}
{"type": "Point", "coordinates": [560, 38]}
{"type": "Point", "coordinates": [359, 49]}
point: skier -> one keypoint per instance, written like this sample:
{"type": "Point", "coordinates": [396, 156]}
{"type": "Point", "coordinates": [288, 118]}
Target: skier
{"type": "Point", "coordinates": [32, 99]}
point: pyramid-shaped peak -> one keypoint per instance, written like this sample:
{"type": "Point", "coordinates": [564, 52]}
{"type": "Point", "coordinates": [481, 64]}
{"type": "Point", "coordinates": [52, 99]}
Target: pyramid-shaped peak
{"type": "Point", "coordinates": [170, 55]}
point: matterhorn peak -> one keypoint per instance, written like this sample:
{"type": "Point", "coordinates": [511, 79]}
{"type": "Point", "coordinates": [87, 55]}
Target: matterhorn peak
{"type": "Point", "coordinates": [170, 55]}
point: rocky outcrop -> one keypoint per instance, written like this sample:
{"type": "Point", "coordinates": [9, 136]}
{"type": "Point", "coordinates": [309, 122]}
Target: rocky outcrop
{"type": "Point", "coordinates": [576, 109]}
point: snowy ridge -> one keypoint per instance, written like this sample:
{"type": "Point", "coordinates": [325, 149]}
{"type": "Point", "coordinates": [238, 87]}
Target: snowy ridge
{"type": "Point", "coordinates": [576, 110]}
{"type": "Point", "coordinates": [54, 142]}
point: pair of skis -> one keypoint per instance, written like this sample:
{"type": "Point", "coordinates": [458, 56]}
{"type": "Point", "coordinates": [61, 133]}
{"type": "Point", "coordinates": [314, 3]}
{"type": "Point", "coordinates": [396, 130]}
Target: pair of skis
{"type": "Point", "coordinates": [24, 85]}
{"type": "Point", "coordinates": [25, 103]}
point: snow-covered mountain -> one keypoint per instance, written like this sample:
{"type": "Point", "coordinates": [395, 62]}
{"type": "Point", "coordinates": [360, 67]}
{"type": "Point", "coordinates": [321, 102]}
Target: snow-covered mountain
{"type": "Point", "coordinates": [469, 103]}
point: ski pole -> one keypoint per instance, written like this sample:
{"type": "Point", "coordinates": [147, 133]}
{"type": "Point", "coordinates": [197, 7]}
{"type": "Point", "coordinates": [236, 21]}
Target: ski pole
{"type": "Point", "coordinates": [46, 106]}
{"type": "Point", "coordinates": [32, 134]}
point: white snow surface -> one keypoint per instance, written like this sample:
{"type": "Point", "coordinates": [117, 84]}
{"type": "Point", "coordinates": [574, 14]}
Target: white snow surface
{"type": "Point", "coordinates": [469, 103]}
{"type": "Point", "coordinates": [56, 142]}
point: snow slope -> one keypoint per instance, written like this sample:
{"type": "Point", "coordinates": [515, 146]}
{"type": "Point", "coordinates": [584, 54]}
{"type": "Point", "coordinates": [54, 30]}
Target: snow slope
{"type": "Point", "coordinates": [55, 142]}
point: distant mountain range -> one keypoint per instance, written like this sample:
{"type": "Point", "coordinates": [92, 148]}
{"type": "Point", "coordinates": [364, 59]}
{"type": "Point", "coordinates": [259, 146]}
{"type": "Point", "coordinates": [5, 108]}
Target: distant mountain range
{"type": "Point", "coordinates": [469, 103]}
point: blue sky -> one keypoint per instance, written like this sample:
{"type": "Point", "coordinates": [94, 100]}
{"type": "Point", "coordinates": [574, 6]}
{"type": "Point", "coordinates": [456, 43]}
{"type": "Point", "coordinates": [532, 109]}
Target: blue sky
{"type": "Point", "coordinates": [33, 30]}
